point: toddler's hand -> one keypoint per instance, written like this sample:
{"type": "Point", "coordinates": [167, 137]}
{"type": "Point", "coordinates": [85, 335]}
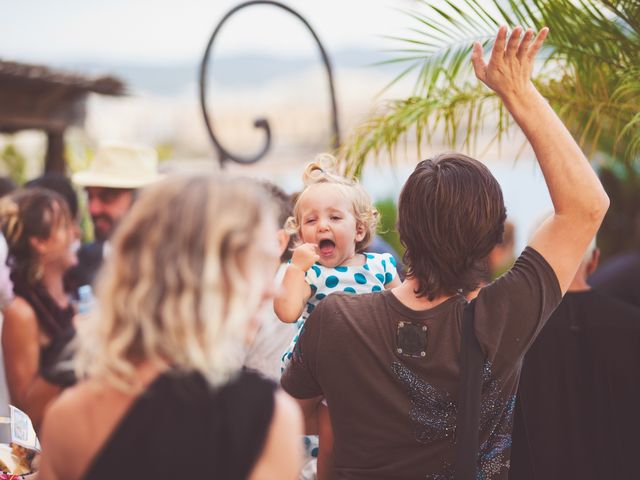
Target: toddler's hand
{"type": "Point", "coordinates": [305, 255]}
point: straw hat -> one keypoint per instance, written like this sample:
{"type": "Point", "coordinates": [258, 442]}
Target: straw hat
{"type": "Point", "coordinates": [118, 165]}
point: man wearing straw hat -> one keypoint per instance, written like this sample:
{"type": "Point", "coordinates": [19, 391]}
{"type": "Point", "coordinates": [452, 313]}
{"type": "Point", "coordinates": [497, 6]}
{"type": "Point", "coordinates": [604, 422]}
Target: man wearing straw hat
{"type": "Point", "coordinates": [111, 182]}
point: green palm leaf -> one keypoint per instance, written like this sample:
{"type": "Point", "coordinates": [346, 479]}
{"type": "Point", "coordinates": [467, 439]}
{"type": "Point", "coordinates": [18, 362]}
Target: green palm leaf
{"type": "Point", "coordinates": [588, 71]}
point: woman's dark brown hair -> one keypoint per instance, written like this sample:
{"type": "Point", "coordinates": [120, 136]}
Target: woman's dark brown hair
{"type": "Point", "coordinates": [451, 214]}
{"type": "Point", "coordinates": [28, 213]}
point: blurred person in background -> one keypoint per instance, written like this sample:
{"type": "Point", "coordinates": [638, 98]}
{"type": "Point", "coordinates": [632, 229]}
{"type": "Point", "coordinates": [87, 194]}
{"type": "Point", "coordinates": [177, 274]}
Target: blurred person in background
{"type": "Point", "coordinates": [6, 295]}
{"type": "Point", "coordinates": [40, 234]}
{"type": "Point", "coordinates": [165, 395]}
{"type": "Point", "coordinates": [273, 336]}
{"type": "Point", "coordinates": [59, 183]}
{"type": "Point", "coordinates": [577, 412]}
{"type": "Point", "coordinates": [7, 185]}
{"type": "Point", "coordinates": [111, 183]}
{"type": "Point", "coordinates": [619, 277]}
{"type": "Point", "coordinates": [502, 256]}
{"type": "Point", "coordinates": [61, 371]}
{"type": "Point", "coordinates": [499, 260]}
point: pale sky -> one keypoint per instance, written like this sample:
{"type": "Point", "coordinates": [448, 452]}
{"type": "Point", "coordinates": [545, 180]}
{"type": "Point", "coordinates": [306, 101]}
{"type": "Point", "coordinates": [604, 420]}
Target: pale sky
{"type": "Point", "coordinates": [169, 31]}
{"type": "Point", "coordinates": [157, 31]}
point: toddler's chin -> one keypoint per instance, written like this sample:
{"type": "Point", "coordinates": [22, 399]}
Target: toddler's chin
{"type": "Point", "coordinates": [329, 262]}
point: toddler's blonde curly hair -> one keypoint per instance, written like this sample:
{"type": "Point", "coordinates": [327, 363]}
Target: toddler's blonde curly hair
{"type": "Point", "coordinates": [322, 170]}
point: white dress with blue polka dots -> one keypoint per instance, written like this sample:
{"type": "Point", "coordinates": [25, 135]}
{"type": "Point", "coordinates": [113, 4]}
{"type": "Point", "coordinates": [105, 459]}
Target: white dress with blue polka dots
{"type": "Point", "coordinates": [378, 270]}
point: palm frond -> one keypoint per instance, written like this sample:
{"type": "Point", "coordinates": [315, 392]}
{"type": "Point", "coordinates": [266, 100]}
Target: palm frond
{"type": "Point", "coordinates": [455, 116]}
{"type": "Point", "coordinates": [589, 72]}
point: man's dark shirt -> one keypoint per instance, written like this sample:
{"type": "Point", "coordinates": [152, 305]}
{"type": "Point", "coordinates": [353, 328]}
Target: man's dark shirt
{"type": "Point", "coordinates": [619, 278]}
{"type": "Point", "coordinates": [578, 409]}
{"type": "Point", "coordinates": [393, 402]}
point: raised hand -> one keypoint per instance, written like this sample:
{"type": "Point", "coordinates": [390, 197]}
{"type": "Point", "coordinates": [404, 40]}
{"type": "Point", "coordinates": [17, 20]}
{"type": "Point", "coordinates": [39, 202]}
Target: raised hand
{"type": "Point", "coordinates": [579, 201]}
{"type": "Point", "coordinates": [305, 255]}
{"type": "Point", "coordinates": [508, 72]}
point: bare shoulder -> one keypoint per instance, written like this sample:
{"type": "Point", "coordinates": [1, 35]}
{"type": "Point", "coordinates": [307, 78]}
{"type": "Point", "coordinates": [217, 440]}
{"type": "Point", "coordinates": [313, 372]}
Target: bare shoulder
{"type": "Point", "coordinates": [19, 310]}
{"type": "Point", "coordinates": [72, 432]}
{"type": "Point", "coordinates": [72, 400]}
{"type": "Point", "coordinates": [69, 413]}
{"type": "Point", "coordinates": [20, 324]}
{"type": "Point", "coordinates": [60, 442]}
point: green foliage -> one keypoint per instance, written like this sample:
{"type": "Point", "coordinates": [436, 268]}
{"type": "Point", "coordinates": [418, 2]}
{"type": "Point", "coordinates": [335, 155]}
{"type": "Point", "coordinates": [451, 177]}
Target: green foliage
{"type": "Point", "coordinates": [78, 157]}
{"type": "Point", "coordinates": [166, 151]}
{"type": "Point", "coordinates": [15, 163]}
{"type": "Point", "coordinates": [387, 227]}
{"type": "Point", "coordinates": [589, 72]}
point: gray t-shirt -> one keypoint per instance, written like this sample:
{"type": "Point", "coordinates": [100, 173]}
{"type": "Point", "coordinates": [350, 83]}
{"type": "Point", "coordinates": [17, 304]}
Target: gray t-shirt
{"type": "Point", "coordinates": [271, 340]}
{"type": "Point", "coordinates": [394, 414]}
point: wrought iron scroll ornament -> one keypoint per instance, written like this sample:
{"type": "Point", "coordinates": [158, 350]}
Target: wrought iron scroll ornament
{"type": "Point", "coordinates": [260, 123]}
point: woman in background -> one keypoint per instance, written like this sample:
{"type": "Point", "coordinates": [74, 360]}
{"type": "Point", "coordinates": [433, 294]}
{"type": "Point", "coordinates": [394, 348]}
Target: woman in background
{"type": "Point", "coordinates": [164, 394]}
{"type": "Point", "coordinates": [41, 236]}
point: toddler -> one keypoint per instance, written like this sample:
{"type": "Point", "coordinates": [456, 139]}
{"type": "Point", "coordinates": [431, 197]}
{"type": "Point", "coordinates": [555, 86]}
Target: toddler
{"type": "Point", "coordinates": [334, 219]}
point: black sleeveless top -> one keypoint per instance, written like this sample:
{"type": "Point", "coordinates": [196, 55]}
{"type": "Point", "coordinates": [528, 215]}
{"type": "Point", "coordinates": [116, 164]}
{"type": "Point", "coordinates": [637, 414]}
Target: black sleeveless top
{"type": "Point", "coordinates": [181, 427]}
{"type": "Point", "coordinates": [56, 323]}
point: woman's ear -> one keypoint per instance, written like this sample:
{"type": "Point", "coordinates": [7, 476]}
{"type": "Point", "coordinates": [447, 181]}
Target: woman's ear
{"type": "Point", "coordinates": [38, 244]}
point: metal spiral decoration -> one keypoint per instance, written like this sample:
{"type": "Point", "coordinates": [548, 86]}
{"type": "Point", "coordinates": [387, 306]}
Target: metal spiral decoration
{"type": "Point", "coordinates": [260, 123]}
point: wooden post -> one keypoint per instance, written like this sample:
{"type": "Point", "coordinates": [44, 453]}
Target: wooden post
{"type": "Point", "coordinates": [54, 160]}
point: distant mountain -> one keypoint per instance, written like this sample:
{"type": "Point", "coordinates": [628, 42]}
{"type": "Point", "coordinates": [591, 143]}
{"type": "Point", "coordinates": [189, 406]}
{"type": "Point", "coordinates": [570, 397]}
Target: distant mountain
{"type": "Point", "coordinates": [234, 71]}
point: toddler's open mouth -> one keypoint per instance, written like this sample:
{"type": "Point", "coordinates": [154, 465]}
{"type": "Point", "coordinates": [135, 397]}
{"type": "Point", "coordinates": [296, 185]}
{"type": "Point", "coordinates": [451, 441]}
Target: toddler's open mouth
{"type": "Point", "coordinates": [326, 247]}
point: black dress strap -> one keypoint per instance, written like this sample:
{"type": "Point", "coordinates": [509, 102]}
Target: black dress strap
{"type": "Point", "coordinates": [470, 389]}
{"type": "Point", "coordinates": [182, 427]}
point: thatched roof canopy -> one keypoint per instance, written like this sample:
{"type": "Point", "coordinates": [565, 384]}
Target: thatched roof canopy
{"type": "Point", "coordinates": [35, 96]}
{"type": "Point", "coordinates": [38, 97]}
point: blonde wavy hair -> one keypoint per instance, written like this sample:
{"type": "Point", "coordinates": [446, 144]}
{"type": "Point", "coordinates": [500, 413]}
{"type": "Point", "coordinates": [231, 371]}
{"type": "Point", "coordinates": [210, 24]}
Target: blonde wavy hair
{"type": "Point", "coordinates": [185, 277]}
{"type": "Point", "coordinates": [323, 170]}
